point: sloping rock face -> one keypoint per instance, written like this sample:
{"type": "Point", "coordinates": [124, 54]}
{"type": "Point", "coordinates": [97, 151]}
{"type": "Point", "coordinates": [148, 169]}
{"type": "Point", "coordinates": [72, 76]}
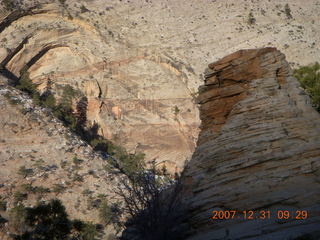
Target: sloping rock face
{"type": "Point", "coordinates": [61, 164]}
{"type": "Point", "coordinates": [259, 149]}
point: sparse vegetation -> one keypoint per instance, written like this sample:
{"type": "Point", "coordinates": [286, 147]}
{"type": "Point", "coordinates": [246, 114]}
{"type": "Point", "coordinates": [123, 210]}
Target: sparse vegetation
{"type": "Point", "coordinates": [251, 19]}
{"type": "Point", "coordinates": [153, 205]}
{"type": "Point", "coordinates": [10, 5]}
{"type": "Point", "coordinates": [77, 160]}
{"type": "Point", "coordinates": [84, 9]}
{"type": "Point", "coordinates": [35, 190]}
{"type": "Point", "coordinates": [62, 110]}
{"type": "Point", "coordinates": [62, 1]}
{"type": "Point", "coordinates": [287, 10]}
{"type": "Point", "coordinates": [58, 188]}
{"type": "Point", "coordinates": [106, 213]}
{"type": "Point", "coordinates": [176, 110]}
{"type": "Point", "coordinates": [19, 197]}
{"type": "Point", "coordinates": [3, 205]}
{"type": "Point", "coordinates": [12, 100]}
{"type": "Point", "coordinates": [49, 221]}
{"type": "Point", "coordinates": [77, 178]}
{"type": "Point", "coordinates": [17, 217]}
{"type": "Point", "coordinates": [309, 78]}
{"type": "Point", "coordinates": [25, 172]}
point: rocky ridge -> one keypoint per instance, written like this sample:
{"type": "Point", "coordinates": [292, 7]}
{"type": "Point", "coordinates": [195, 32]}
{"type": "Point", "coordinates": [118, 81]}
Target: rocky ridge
{"type": "Point", "coordinates": [60, 164]}
{"type": "Point", "coordinates": [258, 149]}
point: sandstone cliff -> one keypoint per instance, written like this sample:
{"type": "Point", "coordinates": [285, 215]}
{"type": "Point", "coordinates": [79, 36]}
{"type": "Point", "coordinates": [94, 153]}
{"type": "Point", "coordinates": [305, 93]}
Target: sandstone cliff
{"type": "Point", "coordinates": [139, 62]}
{"type": "Point", "coordinates": [258, 149]}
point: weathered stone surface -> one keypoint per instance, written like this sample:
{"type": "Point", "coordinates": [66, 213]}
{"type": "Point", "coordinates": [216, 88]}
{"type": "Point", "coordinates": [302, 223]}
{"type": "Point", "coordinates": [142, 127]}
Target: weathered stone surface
{"type": "Point", "coordinates": [258, 149]}
{"type": "Point", "coordinates": [145, 58]}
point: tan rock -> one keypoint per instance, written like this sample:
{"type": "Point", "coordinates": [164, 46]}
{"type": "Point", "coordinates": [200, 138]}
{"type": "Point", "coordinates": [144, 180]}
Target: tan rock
{"type": "Point", "coordinates": [258, 149]}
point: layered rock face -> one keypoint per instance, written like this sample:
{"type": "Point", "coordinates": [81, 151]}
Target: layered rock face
{"type": "Point", "coordinates": [139, 62]}
{"type": "Point", "coordinates": [139, 98]}
{"type": "Point", "coordinates": [259, 149]}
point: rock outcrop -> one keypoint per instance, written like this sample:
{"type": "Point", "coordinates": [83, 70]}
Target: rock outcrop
{"type": "Point", "coordinates": [258, 149]}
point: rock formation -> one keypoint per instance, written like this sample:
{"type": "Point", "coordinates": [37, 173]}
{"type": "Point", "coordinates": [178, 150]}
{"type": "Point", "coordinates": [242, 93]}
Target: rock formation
{"type": "Point", "coordinates": [258, 149]}
{"type": "Point", "coordinates": [137, 61]}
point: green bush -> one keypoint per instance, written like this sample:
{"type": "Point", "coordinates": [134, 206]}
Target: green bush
{"type": "Point", "coordinates": [129, 164]}
{"type": "Point", "coordinates": [25, 172]}
{"type": "Point", "coordinates": [84, 9]}
{"type": "Point", "coordinates": [106, 212]}
{"type": "Point", "coordinates": [176, 110]}
{"type": "Point", "coordinates": [58, 188]}
{"type": "Point", "coordinates": [12, 100]}
{"type": "Point", "coordinates": [9, 4]}
{"type": "Point", "coordinates": [28, 188]}
{"type": "Point", "coordinates": [25, 84]}
{"type": "Point", "coordinates": [309, 78]}
{"type": "Point", "coordinates": [76, 160]}
{"type": "Point", "coordinates": [17, 217]}
{"type": "Point", "coordinates": [85, 230]}
{"type": "Point", "coordinates": [19, 197]}
{"type": "Point", "coordinates": [287, 10]}
{"type": "Point", "coordinates": [77, 178]}
{"type": "Point", "coordinates": [3, 205]}
{"type": "Point", "coordinates": [251, 19]}
{"type": "Point", "coordinates": [63, 110]}
{"type": "Point", "coordinates": [49, 101]}
{"type": "Point", "coordinates": [48, 221]}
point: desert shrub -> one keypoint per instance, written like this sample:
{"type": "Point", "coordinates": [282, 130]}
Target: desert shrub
{"type": "Point", "coordinates": [107, 213]}
{"type": "Point", "coordinates": [85, 230]}
{"type": "Point", "coordinates": [3, 205]}
{"type": "Point", "coordinates": [251, 19]}
{"type": "Point", "coordinates": [10, 5]}
{"type": "Point", "coordinates": [25, 84]}
{"type": "Point", "coordinates": [28, 188]}
{"type": "Point", "coordinates": [48, 221]}
{"type": "Point", "coordinates": [87, 192]}
{"type": "Point", "coordinates": [154, 206]}
{"type": "Point", "coordinates": [17, 216]}
{"type": "Point", "coordinates": [84, 9]}
{"type": "Point", "coordinates": [309, 78]}
{"type": "Point", "coordinates": [77, 160]}
{"type": "Point", "coordinates": [48, 100]}
{"type": "Point", "coordinates": [77, 178]}
{"type": "Point", "coordinates": [62, 110]}
{"type": "Point", "coordinates": [62, 1]}
{"type": "Point", "coordinates": [19, 197]}
{"type": "Point", "coordinates": [287, 10]}
{"type": "Point", "coordinates": [58, 188]}
{"type": "Point", "coordinates": [25, 172]}
{"type": "Point", "coordinates": [176, 110]}
{"type": "Point", "coordinates": [12, 100]}
{"type": "Point", "coordinates": [126, 162]}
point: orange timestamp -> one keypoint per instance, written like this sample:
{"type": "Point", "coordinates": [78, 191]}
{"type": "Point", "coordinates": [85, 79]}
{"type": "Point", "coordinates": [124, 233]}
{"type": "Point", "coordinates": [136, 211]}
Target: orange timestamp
{"type": "Point", "coordinates": [260, 214]}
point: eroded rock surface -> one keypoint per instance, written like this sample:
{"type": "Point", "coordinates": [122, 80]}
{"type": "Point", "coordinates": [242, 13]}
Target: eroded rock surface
{"type": "Point", "coordinates": [139, 63]}
{"type": "Point", "coordinates": [259, 149]}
